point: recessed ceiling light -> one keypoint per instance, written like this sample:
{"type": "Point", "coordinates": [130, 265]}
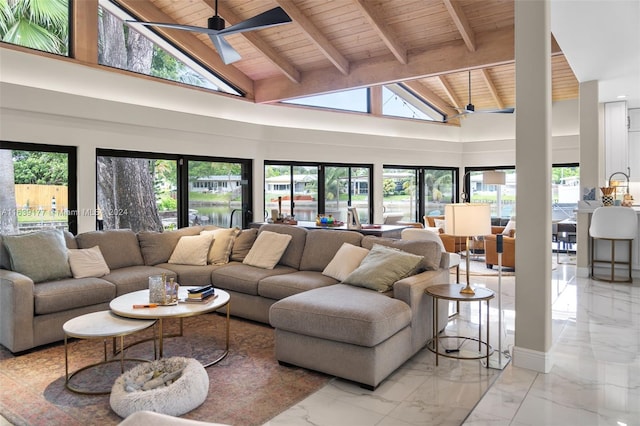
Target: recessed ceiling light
{"type": "Point", "coordinates": [622, 96]}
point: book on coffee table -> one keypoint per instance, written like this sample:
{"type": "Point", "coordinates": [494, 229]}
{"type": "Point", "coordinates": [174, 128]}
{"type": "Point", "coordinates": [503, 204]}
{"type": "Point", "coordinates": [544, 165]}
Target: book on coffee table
{"type": "Point", "coordinates": [206, 299]}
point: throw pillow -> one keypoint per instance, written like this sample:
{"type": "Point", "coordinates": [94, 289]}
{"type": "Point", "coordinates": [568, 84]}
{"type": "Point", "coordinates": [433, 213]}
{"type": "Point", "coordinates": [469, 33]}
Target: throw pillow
{"type": "Point", "coordinates": [192, 250]}
{"type": "Point", "coordinates": [41, 256]}
{"type": "Point", "coordinates": [223, 240]}
{"type": "Point", "coordinates": [440, 224]}
{"type": "Point", "coordinates": [267, 249]}
{"type": "Point", "coordinates": [345, 261]}
{"type": "Point", "coordinates": [510, 228]}
{"type": "Point", "coordinates": [243, 244]}
{"type": "Point", "coordinates": [87, 263]}
{"type": "Point", "coordinates": [382, 267]}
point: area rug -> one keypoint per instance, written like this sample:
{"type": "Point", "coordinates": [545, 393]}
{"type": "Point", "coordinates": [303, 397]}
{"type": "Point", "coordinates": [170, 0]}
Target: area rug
{"type": "Point", "coordinates": [247, 388]}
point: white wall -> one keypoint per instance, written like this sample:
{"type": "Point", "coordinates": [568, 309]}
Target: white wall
{"type": "Point", "coordinates": [60, 102]}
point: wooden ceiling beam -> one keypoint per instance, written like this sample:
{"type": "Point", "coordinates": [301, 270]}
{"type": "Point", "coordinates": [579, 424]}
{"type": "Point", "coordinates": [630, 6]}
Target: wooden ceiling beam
{"type": "Point", "coordinates": [462, 24]}
{"type": "Point", "coordinates": [378, 23]}
{"type": "Point", "coordinates": [188, 42]}
{"type": "Point", "coordinates": [312, 32]}
{"type": "Point", "coordinates": [450, 92]}
{"type": "Point", "coordinates": [429, 96]}
{"type": "Point", "coordinates": [258, 43]}
{"type": "Point", "coordinates": [494, 48]}
{"type": "Point", "coordinates": [492, 88]}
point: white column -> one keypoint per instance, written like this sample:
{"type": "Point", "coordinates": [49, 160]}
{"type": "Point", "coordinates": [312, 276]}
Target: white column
{"type": "Point", "coordinates": [533, 168]}
{"type": "Point", "coordinates": [591, 154]}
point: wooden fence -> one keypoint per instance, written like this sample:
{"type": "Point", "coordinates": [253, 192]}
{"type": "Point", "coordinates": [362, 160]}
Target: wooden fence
{"type": "Point", "coordinates": [40, 197]}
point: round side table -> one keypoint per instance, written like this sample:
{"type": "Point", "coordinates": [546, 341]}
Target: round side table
{"type": "Point", "coordinates": [452, 292]}
{"type": "Point", "coordinates": [100, 325]}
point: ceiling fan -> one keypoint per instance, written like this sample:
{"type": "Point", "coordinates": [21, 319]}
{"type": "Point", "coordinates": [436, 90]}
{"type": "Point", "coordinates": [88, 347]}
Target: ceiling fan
{"type": "Point", "coordinates": [216, 30]}
{"type": "Point", "coordinates": [471, 109]}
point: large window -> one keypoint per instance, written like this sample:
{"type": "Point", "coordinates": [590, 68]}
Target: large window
{"type": "Point", "coordinates": [295, 189]}
{"type": "Point", "coordinates": [565, 187]}
{"type": "Point", "coordinates": [152, 192]}
{"type": "Point", "coordinates": [38, 188]}
{"type": "Point", "coordinates": [40, 25]}
{"type": "Point", "coordinates": [141, 50]}
{"type": "Point", "coordinates": [409, 193]}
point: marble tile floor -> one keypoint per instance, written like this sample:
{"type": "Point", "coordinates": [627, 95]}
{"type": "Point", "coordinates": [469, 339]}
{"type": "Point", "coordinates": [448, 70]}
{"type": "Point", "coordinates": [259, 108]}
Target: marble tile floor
{"type": "Point", "coordinates": [595, 379]}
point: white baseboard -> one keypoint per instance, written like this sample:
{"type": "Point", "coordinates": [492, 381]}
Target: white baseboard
{"type": "Point", "coordinates": [532, 360]}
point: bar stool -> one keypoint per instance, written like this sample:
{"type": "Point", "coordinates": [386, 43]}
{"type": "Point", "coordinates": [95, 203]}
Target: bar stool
{"type": "Point", "coordinates": [613, 224]}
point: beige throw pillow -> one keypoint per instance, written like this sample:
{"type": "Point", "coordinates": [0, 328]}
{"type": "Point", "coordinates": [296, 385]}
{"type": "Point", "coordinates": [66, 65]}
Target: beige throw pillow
{"type": "Point", "coordinates": [192, 250]}
{"type": "Point", "coordinates": [382, 267]}
{"type": "Point", "coordinates": [345, 261]}
{"type": "Point", "coordinates": [267, 250]}
{"type": "Point", "coordinates": [510, 228]}
{"type": "Point", "coordinates": [87, 263]}
{"type": "Point", "coordinates": [223, 240]}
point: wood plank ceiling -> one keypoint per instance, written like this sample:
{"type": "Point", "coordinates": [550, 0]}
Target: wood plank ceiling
{"type": "Point", "coordinates": [333, 45]}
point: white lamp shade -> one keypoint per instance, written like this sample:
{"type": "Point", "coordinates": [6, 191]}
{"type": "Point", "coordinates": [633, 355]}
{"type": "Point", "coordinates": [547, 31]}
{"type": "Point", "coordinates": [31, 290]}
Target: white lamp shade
{"type": "Point", "coordinates": [467, 220]}
{"type": "Point", "coordinates": [493, 178]}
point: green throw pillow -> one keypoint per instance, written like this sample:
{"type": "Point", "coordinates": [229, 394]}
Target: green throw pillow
{"type": "Point", "coordinates": [41, 256]}
{"type": "Point", "coordinates": [382, 267]}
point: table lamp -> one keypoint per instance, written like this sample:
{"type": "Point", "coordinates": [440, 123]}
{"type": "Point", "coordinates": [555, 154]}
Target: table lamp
{"type": "Point", "coordinates": [467, 220]}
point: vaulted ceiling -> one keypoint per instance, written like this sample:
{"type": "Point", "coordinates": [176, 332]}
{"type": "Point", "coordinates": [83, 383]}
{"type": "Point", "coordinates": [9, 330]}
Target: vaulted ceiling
{"type": "Point", "coordinates": [333, 45]}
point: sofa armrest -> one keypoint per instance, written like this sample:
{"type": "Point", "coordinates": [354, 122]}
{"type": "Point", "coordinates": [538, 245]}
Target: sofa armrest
{"type": "Point", "coordinates": [16, 311]}
{"type": "Point", "coordinates": [411, 291]}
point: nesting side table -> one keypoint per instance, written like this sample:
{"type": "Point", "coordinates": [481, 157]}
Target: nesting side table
{"type": "Point", "coordinates": [100, 325]}
{"type": "Point", "coordinates": [452, 292]}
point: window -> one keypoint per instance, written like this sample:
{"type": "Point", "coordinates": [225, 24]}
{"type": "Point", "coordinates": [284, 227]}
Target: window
{"type": "Point", "coordinates": [502, 198]}
{"type": "Point", "coordinates": [40, 25]}
{"type": "Point", "coordinates": [412, 192]}
{"type": "Point", "coordinates": [39, 188]}
{"type": "Point", "coordinates": [143, 51]}
{"type": "Point", "coordinates": [153, 192]}
{"type": "Point", "coordinates": [399, 101]}
{"type": "Point", "coordinates": [565, 184]}
{"type": "Point", "coordinates": [295, 188]}
{"type": "Point", "coordinates": [356, 100]}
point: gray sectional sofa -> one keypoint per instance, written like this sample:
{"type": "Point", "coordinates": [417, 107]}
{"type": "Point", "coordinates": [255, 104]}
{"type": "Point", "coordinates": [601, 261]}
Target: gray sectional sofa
{"type": "Point", "coordinates": [320, 323]}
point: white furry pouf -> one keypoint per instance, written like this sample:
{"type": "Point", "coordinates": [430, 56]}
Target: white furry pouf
{"type": "Point", "coordinates": [183, 394]}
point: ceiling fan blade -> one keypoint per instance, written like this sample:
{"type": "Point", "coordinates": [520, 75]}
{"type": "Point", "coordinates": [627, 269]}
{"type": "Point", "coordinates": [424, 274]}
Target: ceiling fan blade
{"type": "Point", "coordinates": [226, 52]}
{"type": "Point", "coordinates": [176, 27]}
{"type": "Point", "coordinates": [499, 111]}
{"type": "Point", "coordinates": [270, 18]}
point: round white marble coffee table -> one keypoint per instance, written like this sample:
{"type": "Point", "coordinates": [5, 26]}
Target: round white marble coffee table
{"type": "Point", "coordinates": [100, 325]}
{"type": "Point", "coordinates": [124, 306]}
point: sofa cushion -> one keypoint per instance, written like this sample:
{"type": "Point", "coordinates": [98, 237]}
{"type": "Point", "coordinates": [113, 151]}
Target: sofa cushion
{"type": "Point", "coordinates": [134, 278]}
{"type": "Point", "coordinates": [267, 250]}
{"type": "Point", "coordinates": [222, 244]}
{"type": "Point", "coordinates": [430, 250]}
{"type": "Point", "coordinates": [5, 262]}
{"type": "Point", "coordinates": [382, 267]}
{"type": "Point", "coordinates": [243, 243]}
{"type": "Point", "coordinates": [244, 278]}
{"type": "Point", "coordinates": [41, 256]}
{"type": "Point", "coordinates": [190, 274]}
{"type": "Point", "coordinates": [119, 247]}
{"type": "Point", "coordinates": [192, 250]}
{"type": "Point", "coordinates": [66, 294]}
{"type": "Point", "coordinates": [341, 313]}
{"type": "Point", "coordinates": [293, 253]}
{"type": "Point", "coordinates": [86, 263]}
{"type": "Point", "coordinates": [346, 260]}
{"type": "Point", "coordinates": [156, 247]}
{"type": "Point", "coordinates": [322, 245]}
{"type": "Point", "coordinates": [284, 285]}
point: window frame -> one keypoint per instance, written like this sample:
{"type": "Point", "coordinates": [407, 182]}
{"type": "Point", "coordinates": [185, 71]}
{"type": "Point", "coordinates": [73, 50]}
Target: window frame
{"type": "Point", "coordinates": [72, 173]}
{"type": "Point", "coordinates": [182, 179]}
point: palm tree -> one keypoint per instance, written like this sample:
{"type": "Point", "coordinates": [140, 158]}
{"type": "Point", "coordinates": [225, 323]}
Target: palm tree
{"type": "Point", "coordinates": [37, 24]}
